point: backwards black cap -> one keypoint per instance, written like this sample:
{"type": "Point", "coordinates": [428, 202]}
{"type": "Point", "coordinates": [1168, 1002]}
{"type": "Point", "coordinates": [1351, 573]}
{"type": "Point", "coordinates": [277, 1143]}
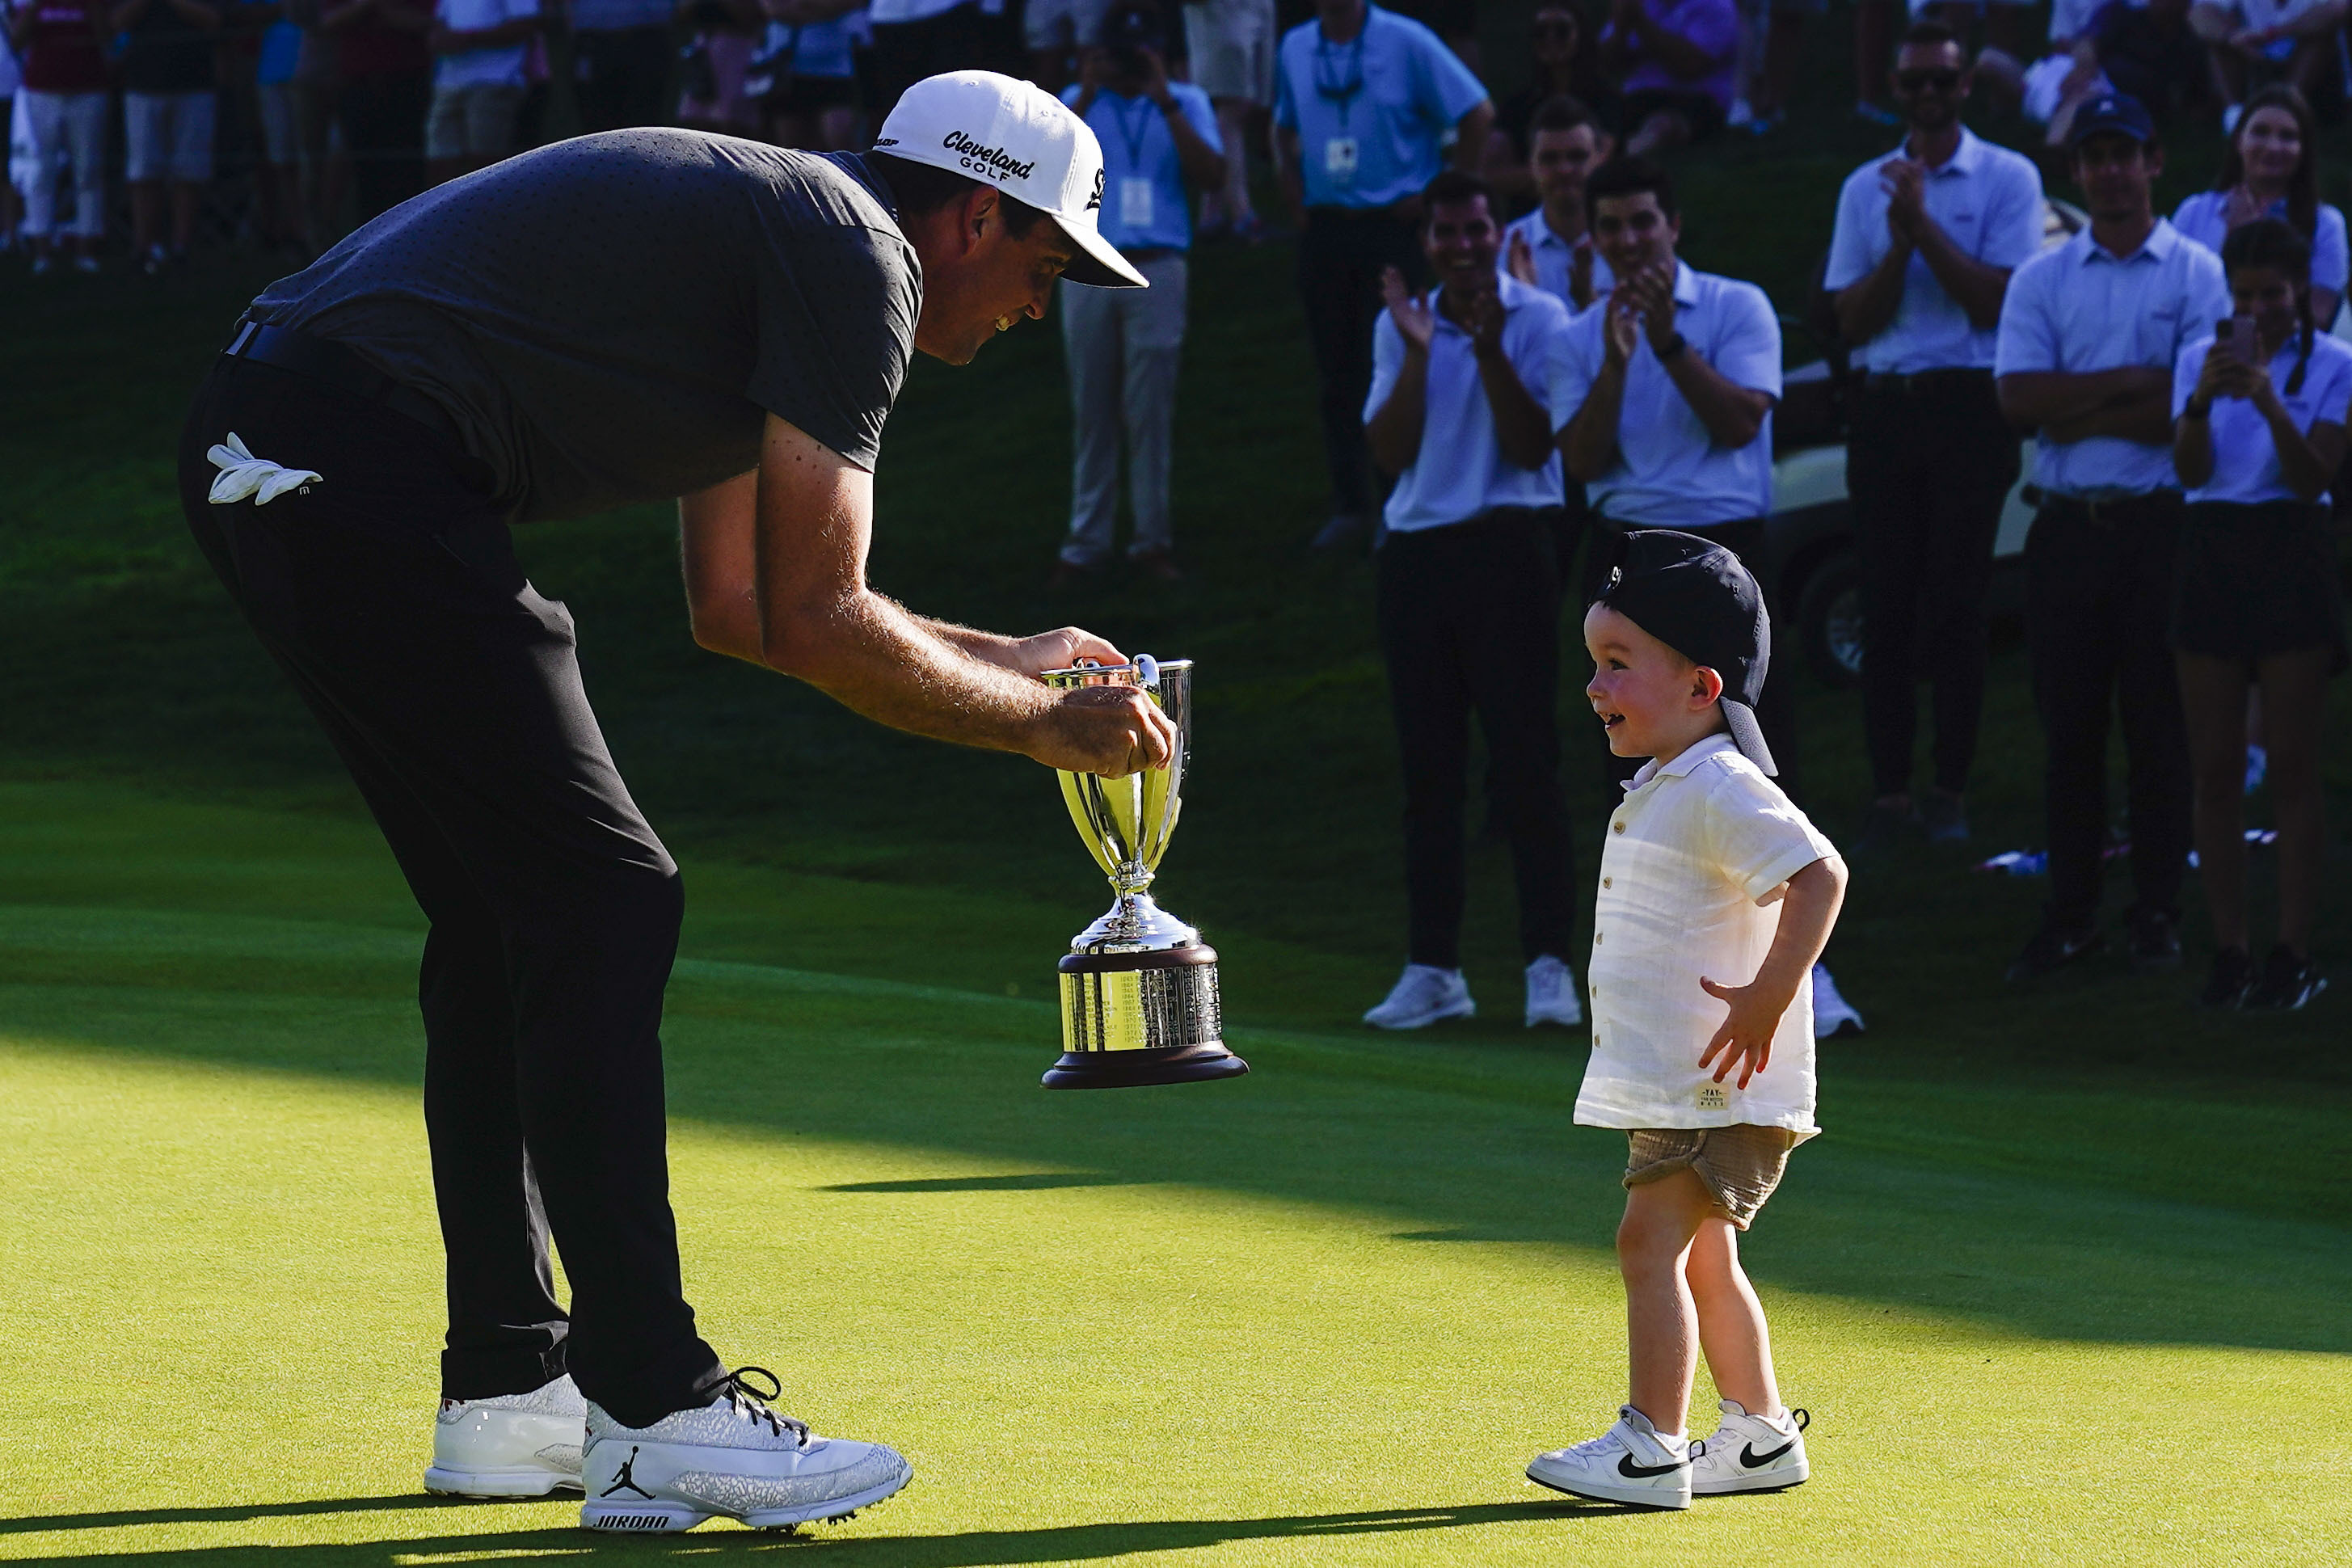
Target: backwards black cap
{"type": "Point", "coordinates": [1695, 596]}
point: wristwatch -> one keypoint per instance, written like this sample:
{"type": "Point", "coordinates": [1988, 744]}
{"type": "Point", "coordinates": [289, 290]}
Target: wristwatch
{"type": "Point", "coordinates": [1672, 349]}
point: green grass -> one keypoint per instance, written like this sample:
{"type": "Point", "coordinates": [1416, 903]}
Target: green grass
{"type": "Point", "coordinates": [2063, 1282]}
{"type": "Point", "coordinates": [1319, 1315]}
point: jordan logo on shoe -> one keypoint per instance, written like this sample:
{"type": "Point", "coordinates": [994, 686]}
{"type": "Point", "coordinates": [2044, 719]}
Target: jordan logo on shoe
{"type": "Point", "coordinates": [1633, 1472]}
{"type": "Point", "coordinates": [627, 1478]}
{"type": "Point", "coordinates": [1752, 1459]}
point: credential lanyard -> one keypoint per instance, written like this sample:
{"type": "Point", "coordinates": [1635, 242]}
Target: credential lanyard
{"type": "Point", "coordinates": [1132, 136]}
{"type": "Point", "coordinates": [1342, 89]}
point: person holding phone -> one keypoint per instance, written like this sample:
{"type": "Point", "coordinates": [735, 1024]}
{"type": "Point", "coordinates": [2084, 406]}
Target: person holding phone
{"type": "Point", "coordinates": [2259, 416]}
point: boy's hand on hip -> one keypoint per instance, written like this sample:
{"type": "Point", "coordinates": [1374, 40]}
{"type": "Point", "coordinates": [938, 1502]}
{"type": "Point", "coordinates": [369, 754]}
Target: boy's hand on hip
{"type": "Point", "coordinates": [1744, 1040]}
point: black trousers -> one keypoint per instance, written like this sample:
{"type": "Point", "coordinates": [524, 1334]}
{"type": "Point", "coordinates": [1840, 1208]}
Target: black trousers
{"type": "Point", "coordinates": [1775, 710]}
{"type": "Point", "coordinates": [1340, 258]}
{"type": "Point", "coordinates": [389, 594]}
{"type": "Point", "coordinates": [1469, 623]}
{"type": "Point", "coordinates": [1929, 467]}
{"type": "Point", "coordinates": [384, 122]}
{"type": "Point", "coordinates": [624, 77]}
{"type": "Point", "coordinates": [2097, 597]}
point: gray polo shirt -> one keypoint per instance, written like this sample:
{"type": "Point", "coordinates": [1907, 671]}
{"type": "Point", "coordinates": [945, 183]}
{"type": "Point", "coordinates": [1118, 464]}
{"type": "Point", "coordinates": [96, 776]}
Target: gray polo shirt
{"type": "Point", "coordinates": [611, 318]}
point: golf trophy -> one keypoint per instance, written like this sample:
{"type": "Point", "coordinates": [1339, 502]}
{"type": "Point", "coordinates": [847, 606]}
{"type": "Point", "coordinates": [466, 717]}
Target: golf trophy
{"type": "Point", "coordinates": [1139, 986]}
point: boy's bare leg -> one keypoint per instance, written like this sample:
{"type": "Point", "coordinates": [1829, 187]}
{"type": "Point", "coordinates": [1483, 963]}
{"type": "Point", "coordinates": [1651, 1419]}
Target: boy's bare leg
{"type": "Point", "coordinates": [1654, 1243]}
{"type": "Point", "coordinates": [1731, 1327]}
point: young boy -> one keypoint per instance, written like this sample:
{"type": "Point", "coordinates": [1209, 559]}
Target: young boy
{"type": "Point", "coordinates": [1717, 896]}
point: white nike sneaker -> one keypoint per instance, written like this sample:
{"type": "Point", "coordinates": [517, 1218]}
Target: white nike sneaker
{"type": "Point", "coordinates": [1423, 995]}
{"type": "Point", "coordinates": [1751, 1453]}
{"type": "Point", "coordinates": [733, 1457]}
{"type": "Point", "coordinates": [1832, 1014]}
{"type": "Point", "coordinates": [1552, 994]}
{"type": "Point", "coordinates": [509, 1445]}
{"type": "Point", "coordinates": [1633, 1462]}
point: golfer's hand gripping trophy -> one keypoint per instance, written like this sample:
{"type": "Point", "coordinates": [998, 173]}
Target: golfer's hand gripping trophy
{"type": "Point", "coordinates": [1139, 986]}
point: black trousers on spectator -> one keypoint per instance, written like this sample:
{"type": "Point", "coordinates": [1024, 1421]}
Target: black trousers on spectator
{"type": "Point", "coordinates": [1929, 467]}
{"type": "Point", "coordinates": [963, 37]}
{"type": "Point", "coordinates": [625, 77]}
{"type": "Point", "coordinates": [2099, 593]}
{"type": "Point", "coordinates": [1340, 258]}
{"type": "Point", "coordinates": [1469, 623]}
{"type": "Point", "coordinates": [390, 595]}
{"type": "Point", "coordinates": [383, 125]}
{"type": "Point", "coordinates": [1776, 711]}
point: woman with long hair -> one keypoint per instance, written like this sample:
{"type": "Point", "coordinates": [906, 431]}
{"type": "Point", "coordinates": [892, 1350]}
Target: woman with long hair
{"type": "Point", "coordinates": [2271, 170]}
{"type": "Point", "coordinates": [2260, 407]}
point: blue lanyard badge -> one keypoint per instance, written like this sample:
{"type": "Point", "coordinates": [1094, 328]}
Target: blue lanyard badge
{"type": "Point", "coordinates": [1134, 185]}
{"type": "Point", "coordinates": [1340, 75]}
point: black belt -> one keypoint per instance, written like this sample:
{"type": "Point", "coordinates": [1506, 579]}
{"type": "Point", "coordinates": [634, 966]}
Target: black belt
{"type": "Point", "coordinates": [2114, 512]}
{"type": "Point", "coordinates": [331, 363]}
{"type": "Point", "coordinates": [1928, 383]}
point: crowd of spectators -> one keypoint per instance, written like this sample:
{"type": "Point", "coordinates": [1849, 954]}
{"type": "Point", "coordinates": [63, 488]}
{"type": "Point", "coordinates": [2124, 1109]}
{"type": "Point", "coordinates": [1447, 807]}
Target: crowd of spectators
{"type": "Point", "coordinates": [1514, 368]}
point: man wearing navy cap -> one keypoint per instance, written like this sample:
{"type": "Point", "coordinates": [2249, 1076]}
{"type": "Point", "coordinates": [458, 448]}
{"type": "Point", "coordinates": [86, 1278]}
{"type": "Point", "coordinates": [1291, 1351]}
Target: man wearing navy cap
{"type": "Point", "coordinates": [2087, 332]}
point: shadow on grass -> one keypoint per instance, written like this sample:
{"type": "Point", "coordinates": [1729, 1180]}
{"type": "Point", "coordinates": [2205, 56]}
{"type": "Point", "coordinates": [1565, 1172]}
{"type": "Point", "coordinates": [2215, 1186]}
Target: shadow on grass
{"type": "Point", "coordinates": [967, 1549]}
{"type": "Point", "coordinates": [1028, 1182]}
{"type": "Point", "coordinates": [231, 1513]}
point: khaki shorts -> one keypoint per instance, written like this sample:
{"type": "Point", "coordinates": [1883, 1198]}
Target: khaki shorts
{"type": "Point", "coordinates": [1740, 1164]}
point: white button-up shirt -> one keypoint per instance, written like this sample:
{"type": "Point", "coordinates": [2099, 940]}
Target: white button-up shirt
{"type": "Point", "coordinates": [1693, 869]}
{"type": "Point", "coordinates": [2080, 309]}
{"type": "Point", "coordinates": [1461, 470]}
{"type": "Point", "coordinates": [1669, 472]}
{"type": "Point", "coordinates": [1555, 259]}
{"type": "Point", "coordinates": [2245, 453]}
{"type": "Point", "coordinates": [1988, 199]}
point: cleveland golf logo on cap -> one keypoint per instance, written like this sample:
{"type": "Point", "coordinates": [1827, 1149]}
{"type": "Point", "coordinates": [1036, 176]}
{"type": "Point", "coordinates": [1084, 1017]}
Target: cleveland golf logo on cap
{"type": "Point", "coordinates": [1022, 142]}
{"type": "Point", "coordinates": [990, 161]}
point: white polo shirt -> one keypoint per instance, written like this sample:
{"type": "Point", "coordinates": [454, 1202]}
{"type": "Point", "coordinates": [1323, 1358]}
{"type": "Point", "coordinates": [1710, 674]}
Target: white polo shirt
{"type": "Point", "coordinates": [2204, 217]}
{"type": "Point", "coordinates": [1669, 472]}
{"type": "Point", "coordinates": [1554, 258]}
{"type": "Point", "coordinates": [1696, 862]}
{"type": "Point", "coordinates": [1988, 199]}
{"type": "Point", "coordinates": [1461, 470]}
{"type": "Point", "coordinates": [2245, 456]}
{"type": "Point", "coordinates": [2081, 309]}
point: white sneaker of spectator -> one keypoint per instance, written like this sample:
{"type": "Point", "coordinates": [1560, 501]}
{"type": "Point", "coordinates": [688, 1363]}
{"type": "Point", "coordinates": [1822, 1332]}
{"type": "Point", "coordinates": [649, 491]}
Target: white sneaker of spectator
{"type": "Point", "coordinates": [1423, 995]}
{"type": "Point", "coordinates": [1832, 1014]}
{"type": "Point", "coordinates": [1552, 994]}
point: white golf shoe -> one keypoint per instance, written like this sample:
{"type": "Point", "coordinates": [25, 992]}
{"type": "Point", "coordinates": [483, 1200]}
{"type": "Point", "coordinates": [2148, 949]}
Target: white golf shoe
{"type": "Point", "coordinates": [509, 1445]}
{"type": "Point", "coordinates": [1751, 1453]}
{"type": "Point", "coordinates": [1423, 995]}
{"type": "Point", "coordinates": [1552, 994]}
{"type": "Point", "coordinates": [1832, 1014]}
{"type": "Point", "coordinates": [733, 1457]}
{"type": "Point", "coordinates": [1633, 1462]}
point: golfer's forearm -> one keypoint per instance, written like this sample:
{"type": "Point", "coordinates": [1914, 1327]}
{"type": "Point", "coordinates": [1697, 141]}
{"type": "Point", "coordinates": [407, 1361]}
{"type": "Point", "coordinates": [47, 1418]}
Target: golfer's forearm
{"type": "Point", "coordinates": [867, 653]}
{"type": "Point", "coordinates": [989, 648]}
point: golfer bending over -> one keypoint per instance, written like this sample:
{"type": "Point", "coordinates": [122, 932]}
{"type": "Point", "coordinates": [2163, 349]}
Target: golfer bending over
{"type": "Point", "coordinates": [625, 317]}
{"type": "Point", "coordinates": [1717, 896]}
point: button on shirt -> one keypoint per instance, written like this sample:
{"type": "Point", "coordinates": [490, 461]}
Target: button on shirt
{"type": "Point", "coordinates": [1698, 858]}
{"type": "Point", "coordinates": [1555, 259]}
{"type": "Point", "coordinates": [1370, 112]}
{"type": "Point", "coordinates": [2203, 218]}
{"type": "Point", "coordinates": [2245, 455]}
{"type": "Point", "coordinates": [1462, 471]}
{"type": "Point", "coordinates": [1669, 472]}
{"type": "Point", "coordinates": [1145, 206]}
{"type": "Point", "coordinates": [1989, 201]}
{"type": "Point", "coordinates": [2080, 310]}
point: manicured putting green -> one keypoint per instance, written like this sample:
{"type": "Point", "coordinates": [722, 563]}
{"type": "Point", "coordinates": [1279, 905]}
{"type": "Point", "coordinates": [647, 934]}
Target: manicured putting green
{"type": "Point", "coordinates": [1321, 1315]}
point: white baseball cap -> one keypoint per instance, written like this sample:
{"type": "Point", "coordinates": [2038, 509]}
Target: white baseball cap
{"type": "Point", "coordinates": [1024, 141]}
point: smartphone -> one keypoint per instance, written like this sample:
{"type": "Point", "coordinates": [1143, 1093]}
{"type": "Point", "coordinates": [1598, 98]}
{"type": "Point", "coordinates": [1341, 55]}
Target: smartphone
{"type": "Point", "coordinates": [2235, 335]}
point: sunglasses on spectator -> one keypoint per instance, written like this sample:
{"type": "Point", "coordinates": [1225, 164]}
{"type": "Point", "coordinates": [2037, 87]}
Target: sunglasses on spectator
{"type": "Point", "coordinates": [1919, 81]}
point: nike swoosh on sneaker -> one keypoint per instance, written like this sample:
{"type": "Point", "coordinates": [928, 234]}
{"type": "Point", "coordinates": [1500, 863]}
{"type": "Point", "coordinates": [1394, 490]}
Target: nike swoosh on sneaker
{"type": "Point", "coordinates": [1633, 1472]}
{"type": "Point", "coordinates": [1754, 1460]}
